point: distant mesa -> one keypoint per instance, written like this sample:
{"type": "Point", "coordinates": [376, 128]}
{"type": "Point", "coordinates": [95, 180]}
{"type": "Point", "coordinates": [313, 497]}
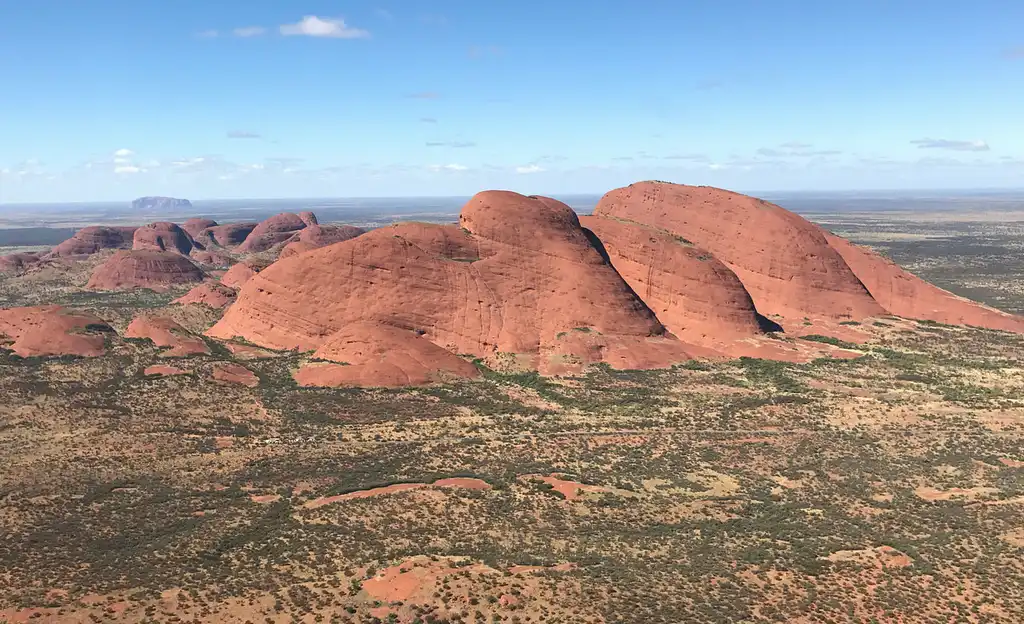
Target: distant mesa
{"type": "Point", "coordinates": [52, 330]}
{"type": "Point", "coordinates": [161, 204]}
{"type": "Point", "coordinates": [156, 270]}
{"type": "Point", "coordinates": [275, 230]}
{"type": "Point", "coordinates": [162, 236]}
{"type": "Point", "coordinates": [93, 239]}
{"type": "Point", "coordinates": [212, 294]}
{"type": "Point", "coordinates": [165, 332]}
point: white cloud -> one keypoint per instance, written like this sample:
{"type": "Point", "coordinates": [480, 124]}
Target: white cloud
{"type": "Point", "coordinates": [249, 31]}
{"type": "Point", "coordinates": [243, 134]}
{"type": "Point", "coordinates": [529, 169]}
{"type": "Point", "coordinates": [128, 169]}
{"type": "Point", "coordinates": [948, 144]}
{"type": "Point", "coordinates": [313, 26]}
{"type": "Point", "coordinates": [123, 152]}
{"type": "Point", "coordinates": [450, 167]}
{"type": "Point", "coordinates": [208, 34]}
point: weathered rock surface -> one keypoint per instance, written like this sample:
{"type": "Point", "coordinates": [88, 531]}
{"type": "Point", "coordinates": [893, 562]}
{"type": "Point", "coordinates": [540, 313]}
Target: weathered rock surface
{"type": "Point", "coordinates": [159, 370]}
{"type": "Point", "coordinates": [156, 270]}
{"type": "Point", "coordinates": [783, 260]}
{"type": "Point", "coordinates": [693, 294]}
{"type": "Point", "coordinates": [520, 276]}
{"type": "Point", "coordinates": [196, 225]}
{"type": "Point", "coordinates": [161, 204]}
{"type": "Point", "coordinates": [904, 294]}
{"type": "Point", "coordinates": [17, 262]}
{"type": "Point", "coordinates": [162, 236]}
{"type": "Point", "coordinates": [242, 272]}
{"type": "Point", "coordinates": [94, 238]}
{"type": "Point", "coordinates": [382, 355]}
{"type": "Point", "coordinates": [212, 294]}
{"type": "Point", "coordinates": [276, 229]}
{"type": "Point", "coordinates": [227, 235]}
{"type": "Point", "coordinates": [52, 330]}
{"type": "Point", "coordinates": [165, 332]}
{"type": "Point", "coordinates": [316, 236]}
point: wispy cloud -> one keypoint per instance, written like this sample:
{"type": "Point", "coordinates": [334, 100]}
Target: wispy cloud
{"type": "Point", "coordinates": [450, 167]}
{"type": "Point", "coordinates": [207, 34]}
{"type": "Point", "coordinates": [532, 168]}
{"type": "Point", "coordinates": [450, 144]}
{"type": "Point", "coordinates": [424, 95]}
{"type": "Point", "coordinates": [795, 149]}
{"type": "Point", "coordinates": [430, 120]}
{"type": "Point", "coordinates": [434, 20]}
{"type": "Point", "coordinates": [249, 31]}
{"type": "Point", "coordinates": [384, 14]}
{"type": "Point", "coordinates": [313, 26]}
{"type": "Point", "coordinates": [128, 169]}
{"type": "Point", "coordinates": [123, 153]}
{"type": "Point", "coordinates": [243, 134]}
{"type": "Point", "coordinates": [948, 144]}
{"type": "Point", "coordinates": [699, 158]}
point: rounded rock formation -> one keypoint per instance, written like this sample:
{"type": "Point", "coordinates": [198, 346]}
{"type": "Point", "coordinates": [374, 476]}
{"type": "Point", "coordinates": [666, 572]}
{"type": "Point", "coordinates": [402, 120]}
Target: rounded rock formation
{"type": "Point", "coordinates": [53, 330]}
{"type": "Point", "coordinates": [156, 270]}
{"type": "Point", "coordinates": [211, 294]}
{"type": "Point", "coordinates": [516, 278]}
{"type": "Point", "coordinates": [17, 262]}
{"type": "Point", "coordinates": [227, 235]}
{"type": "Point", "coordinates": [162, 236]}
{"type": "Point", "coordinates": [242, 272]}
{"type": "Point", "coordinates": [235, 374]}
{"type": "Point", "coordinates": [164, 332]}
{"type": "Point", "coordinates": [276, 229]}
{"type": "Point", "coordinates": [316, 236]}
{"type": "Point", "coordinates": [196, 225]}
{"type": "Point", "coordinates": [92, 239]}
{"type": "Point", "coordinates": [783, 260]}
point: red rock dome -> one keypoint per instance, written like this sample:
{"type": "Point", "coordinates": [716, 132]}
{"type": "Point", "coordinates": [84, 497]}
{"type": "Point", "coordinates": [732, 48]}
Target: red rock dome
{"type": "Point", "coordinates": [156, 270]}
{"type": "Point", "coordinates": [52, 330]}
{"type": "Point", "coordinates": [94, 238]}
{"type": "Point", "coordinates": [162, 236]}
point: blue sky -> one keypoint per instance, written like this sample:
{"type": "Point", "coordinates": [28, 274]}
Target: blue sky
{"type": "Point", "coordinates": [111, 99]}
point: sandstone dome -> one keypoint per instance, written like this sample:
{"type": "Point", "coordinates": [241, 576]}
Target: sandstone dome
{"type": "Point", "coordinates": [157, 270]}
{"type": "Point", "coordinates": [52, 330]}
{"type": "Point", "coordinates": [94, 238]}
{"type": "Point", "coordinates": [162, 236]}
{"type": "Point", "coordinates": [276, 229]}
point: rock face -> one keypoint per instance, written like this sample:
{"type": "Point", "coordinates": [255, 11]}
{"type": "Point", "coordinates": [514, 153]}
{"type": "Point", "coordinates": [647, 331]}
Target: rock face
{"type": "Point", "coordinates": [52, 330]}
{"type": "Point", "coordinates": [227, 235]}
{"type": "Point", "coordinates": [382, 355]}
{"type": "Point", "coordinates": [17, 262]}
{"type": "Point", "coordinates": [156, 270]}
{"type": "Point", "coordinates": [162, 236]}
{"type": "Point", "coordinates": [211, 294]}
{"type": "Point", "coordinates": [196, 225]}
{"type": "Point", "coordinates": [276, 229]}
{"type": "Point", "coordinates": [316, 236]}
{"type": "Point", "coordinates": [694, 294]}
{"type": "Point", "coordinates": [161, 203]}
{"type": "Point", "coordinates": [520, 276]}
{"type": "Point", "coordinates": [92, 239]}
{"type": "Point", "coordinates": [164, 332]}
{"type": "Point", "coordinates": [235, 374]}
{"type": "Point", "coordinates": [242, 272]}
{"type": "Point", "coordinates": [904, 294]}
{"type": "Point", "coordinates": [783, 260]}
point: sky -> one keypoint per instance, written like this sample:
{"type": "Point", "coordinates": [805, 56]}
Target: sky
{"type": "Point", "coordinates": [107, 100]}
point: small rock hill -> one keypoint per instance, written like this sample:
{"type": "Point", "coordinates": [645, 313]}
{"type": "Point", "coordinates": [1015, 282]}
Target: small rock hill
{"type": "Point", "coordinates": [211, 294]}
{"type": "Point", "coordinates": [165, 332]}
{"type": "Point", "coordinates": [156, 270]}
{"type": "Point", "coordinates": [227, 235]}
{"type": "Point", "coordinates": [196, 225]}
{"type": "Point", "coordinates": [275, 230]}
{"type": "Point", "coordinates": [92, 239]}
{"type": "Point", "coordinates": [52, 330]}
{"type": "Point", "coordinates": [316, 236]}
{"type": "Point", "coordinates": [162, 236]}
{"type": "Point", "coordinates": [17, 262]}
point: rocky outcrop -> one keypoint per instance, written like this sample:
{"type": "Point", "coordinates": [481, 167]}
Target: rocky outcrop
{"type": "Point", "coordinates": [17, 262]}
{"type": "Point", "coordinates": [235, 374]}
{"type": "Point", "coordinates": [783, 260]}
{"type": "Point", "coordinates": [520, 276]}
{"type": "Point", "coordinates": [239, 274]}
{"type": "Point", "coordinates": [52, 330]}
{"type": "Point", "coordinates": [316, 236]}
{"type": "Point", "coordinates": [160, 204]}
{"type": "Point", "coordinates": [162, 236]}
{"type": "Point", "coordinates": [275, 230]}
{"type": "Point", "coordinates": [165, 332]}
{"type": "Point", "coordinates": [904, 294]}
{"type": "Point", "coordinates": [211, 294]}
{"type": "Point", "coordinates": [196, 225]}
{"type": "Point", "coordinates": [156, 270]}
{"type": "Point", "coordinates": [227, 235]}
{"type": "Point", "coordinates": [92, 239]}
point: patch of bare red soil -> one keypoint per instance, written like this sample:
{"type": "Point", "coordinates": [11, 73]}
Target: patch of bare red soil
{"type": "Point", "coordinates": [212, 294]}
{"type": "Point", "coordinates": [569, 489]}
{"type": "Point", "coordinates": [53, 330]}
{"type": "Point", "coordinates": [162, 236]}
{"type": "Point", "coordinates": [164, 332]}
{"type": "Point", "coordinates": [784, 261]}
{"type": "Point", "coordinates": [457, 482]}
{"type": "Point", "coordinates": [904, 294]}
{"type": "Point", "coordinates": [519, 276]}
{"type": "Point", "coordinates": [163, 371]}
{"type": "Point", "coordinates": [265, 498]}
{"type": "Point", "coordinates": [156, 270]}
{"type": "Point", "coordinates": [1012, 463]}
{"type": "Point", "coordinates": [881, 557]}
{"type": "Point", "coordinates": [92, 239]}
{"type": "Point", "coordinates": [236, 374]}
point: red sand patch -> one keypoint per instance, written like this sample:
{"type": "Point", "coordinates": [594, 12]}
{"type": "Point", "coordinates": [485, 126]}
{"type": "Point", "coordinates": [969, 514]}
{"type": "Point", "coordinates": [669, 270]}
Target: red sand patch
{"type": "Point", "coordinates": [1012, 463]}
{"type": "Point", "coordinates": [163, 371]}
{"type": "Point", "coordinates": [525, 569]}
{"type": "Point", "coordinates": [458, 482]}
{"type": "Point", "coordinates": [265, 498]}
{"type": "Point", "coordinates": [569, 489]}
{"type": "Point", "coordinates": [880, 556]}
